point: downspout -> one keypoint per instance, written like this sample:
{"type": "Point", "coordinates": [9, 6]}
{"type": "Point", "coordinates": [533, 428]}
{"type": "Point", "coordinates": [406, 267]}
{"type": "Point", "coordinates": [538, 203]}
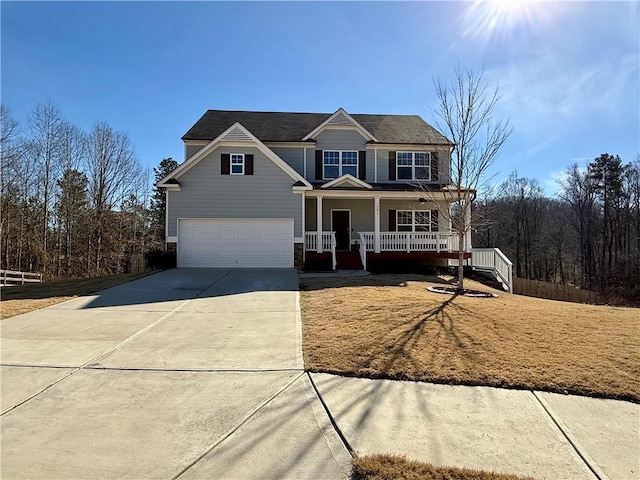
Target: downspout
{"type": "Point", "coordinates": [166, 218]}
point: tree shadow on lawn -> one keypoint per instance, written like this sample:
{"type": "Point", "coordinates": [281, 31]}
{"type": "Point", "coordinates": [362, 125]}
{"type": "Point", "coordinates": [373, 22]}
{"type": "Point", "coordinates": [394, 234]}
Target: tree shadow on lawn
{"type": "Point", "coordinates": [310, 284]}
{"type": "Point", "coordinates": [414, 346]}
{"type": "Point", "coordinates": [403, 352]}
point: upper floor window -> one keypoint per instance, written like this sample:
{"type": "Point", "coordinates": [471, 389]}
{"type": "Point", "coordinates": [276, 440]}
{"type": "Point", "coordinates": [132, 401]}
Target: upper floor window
{"type": "Point", "coordinates": [413, 165]}
{"type": "Point", "coordinates": [416, 221]}
{"type": "Point", "coordinates": [237, 164]}
{"type": "Point", "coordinates": [336, 163]}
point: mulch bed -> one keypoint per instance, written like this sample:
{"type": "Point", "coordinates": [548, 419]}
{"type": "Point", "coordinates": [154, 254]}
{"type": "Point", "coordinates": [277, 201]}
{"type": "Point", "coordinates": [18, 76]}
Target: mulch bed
{"type": "Point", "coordinates": [465, 291]}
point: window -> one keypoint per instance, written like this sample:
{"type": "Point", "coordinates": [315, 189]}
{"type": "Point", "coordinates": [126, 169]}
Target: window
{"type": "Point", "coordinates": [338, 163]}
{"type": "Point", "coordinates": [416, 221]}
{"type": "Point", "coordinates": [237, 164]}
{"type": "Point", "coordinates": [413, 165]}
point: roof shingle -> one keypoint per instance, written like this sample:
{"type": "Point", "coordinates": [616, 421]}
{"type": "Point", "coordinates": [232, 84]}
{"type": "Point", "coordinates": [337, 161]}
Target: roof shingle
{"type": "Point", "coordinates": [292, 127]}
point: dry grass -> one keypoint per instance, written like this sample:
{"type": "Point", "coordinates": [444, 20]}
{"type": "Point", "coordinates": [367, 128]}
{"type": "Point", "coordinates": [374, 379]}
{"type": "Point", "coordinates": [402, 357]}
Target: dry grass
{"type": "Point", "coordinates": [393, 467]}
{"type": "Point", "coordinates": [389, 326]}
{"type": "Point", "coordinates": [27, 298]}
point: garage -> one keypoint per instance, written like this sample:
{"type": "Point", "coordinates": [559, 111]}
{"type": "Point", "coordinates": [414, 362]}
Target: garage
{"type": "Point", "coordinates": [235, 242]}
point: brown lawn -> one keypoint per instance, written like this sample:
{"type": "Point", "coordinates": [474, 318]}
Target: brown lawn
{"type": "Point", "coordinates": [27, 298]}
{"type": "Point", "coordinates": [389, 326]}
{"type": "Point", "coordinates": [393, 467]}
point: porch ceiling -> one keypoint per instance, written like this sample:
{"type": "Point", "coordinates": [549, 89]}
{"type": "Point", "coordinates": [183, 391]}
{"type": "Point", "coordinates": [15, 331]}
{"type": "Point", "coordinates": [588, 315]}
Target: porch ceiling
{"type": "Point", "coordinates": [383, 195]}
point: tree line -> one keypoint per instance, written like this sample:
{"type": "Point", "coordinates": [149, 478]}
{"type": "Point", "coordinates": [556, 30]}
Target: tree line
{"type": "Point", "coordinates": [73, 203]}
{"type": "Point", "coordinates": [76, 203]}
{"type": "Point", "coordinates": [588, 235]}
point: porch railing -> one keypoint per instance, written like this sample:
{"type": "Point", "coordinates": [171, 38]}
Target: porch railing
{"type": "Point", "coordinates": [363, 250]}
{"type": "Point", "coordinates": [411, 241]}
{"type": "Point", "coordinates": [327, 242]}
{"type": "Point", "coordinates": [495, 262]}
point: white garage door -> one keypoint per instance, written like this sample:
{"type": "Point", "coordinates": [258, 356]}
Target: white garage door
{"type": "Point", "coordinates": [235, 243]}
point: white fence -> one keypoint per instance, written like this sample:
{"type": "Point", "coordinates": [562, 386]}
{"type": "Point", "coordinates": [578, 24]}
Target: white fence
{"type": "Point", "coordinates": [10, 277]}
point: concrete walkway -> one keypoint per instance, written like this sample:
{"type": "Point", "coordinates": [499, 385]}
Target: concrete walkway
{"type": "Point", "coordinates": [182, 374]}
{"type": "Point", "coordinates": [198, 374]}
{"type": "Point", "coordinates": [541, 435]}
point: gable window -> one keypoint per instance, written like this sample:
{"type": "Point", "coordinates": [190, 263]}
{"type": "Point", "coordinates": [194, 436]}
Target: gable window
{"type": "Point", "coordinates": [336, 163]}
{"type": "Point", "coordinates": [413, 165]}
{"type": "Point", "coordinates": [237, 164]}
{"type": "Point", "coordinates": [416, 221]}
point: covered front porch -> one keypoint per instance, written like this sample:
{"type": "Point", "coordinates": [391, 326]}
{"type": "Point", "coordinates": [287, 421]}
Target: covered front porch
{"type": "Point", "coordinates": [377, 224]}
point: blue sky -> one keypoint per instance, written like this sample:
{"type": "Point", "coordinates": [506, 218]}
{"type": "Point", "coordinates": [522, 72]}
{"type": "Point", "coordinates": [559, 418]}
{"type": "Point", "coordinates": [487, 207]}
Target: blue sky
{"type": "Point", "coordinates": [568, 71]}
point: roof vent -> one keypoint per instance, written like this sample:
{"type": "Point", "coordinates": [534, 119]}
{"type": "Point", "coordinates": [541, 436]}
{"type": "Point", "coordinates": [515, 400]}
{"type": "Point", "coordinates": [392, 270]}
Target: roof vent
{"type": "Point", "coordinates": [236, 134]}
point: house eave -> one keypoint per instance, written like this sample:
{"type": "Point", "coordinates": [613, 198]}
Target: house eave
{"type": "Point", "coordinates": [347, 179]}
{"type": "Point", "coordinates": [408, 146]}
{"type": "Point", "coordinates": [355, 125]}
{"type": "Point", "coordinates": [169, 187]}
{"type": "Point", "coordinates": [251, 140]}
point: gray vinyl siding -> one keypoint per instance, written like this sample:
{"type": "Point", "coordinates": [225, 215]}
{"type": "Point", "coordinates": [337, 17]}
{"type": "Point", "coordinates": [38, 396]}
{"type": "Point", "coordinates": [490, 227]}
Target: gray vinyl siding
{"type": "Point", "coordinates": [362, 213]}
{"type": "Point", "coordinates": [310, 215]}
{"type": "Point", "coordinates": [294, 156]}
{"type": "Point", "coordinates": [444, 163]}
{"type": "Point", "coordinates": [192, 150]}
{"type": "Point", "coordinates": [205, 193]}
{"type": "Point", "coordinates": [445, 166]}
{"type": "Point", "coordinates": [383, 165]}
{"type": "Point", "coordinates": [340, 140]}
{"type": "Point", "coordinates": [371, 159]}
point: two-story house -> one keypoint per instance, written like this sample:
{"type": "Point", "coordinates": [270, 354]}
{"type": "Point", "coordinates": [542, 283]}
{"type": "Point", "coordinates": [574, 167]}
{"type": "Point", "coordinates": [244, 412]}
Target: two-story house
{"type": "Point", "coordinates": [278, 189]}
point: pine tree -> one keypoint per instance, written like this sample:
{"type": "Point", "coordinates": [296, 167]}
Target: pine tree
{"type": "Point", "coordinates": [159, 199]}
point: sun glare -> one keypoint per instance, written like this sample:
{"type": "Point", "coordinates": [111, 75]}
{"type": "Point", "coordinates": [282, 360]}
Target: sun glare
{"type": "Point", "coordinates": [496, 19]}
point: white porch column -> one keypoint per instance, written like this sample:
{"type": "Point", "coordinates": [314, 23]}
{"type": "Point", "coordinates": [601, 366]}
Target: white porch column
{"type": "Point", "coordinates": [467, 222]}
{"type": "Point", "coordinates": [376, 225]}
{"type": "Point", "coordinates": [319, 221]}
{"type": "Point", "coordinates": [304, 227]}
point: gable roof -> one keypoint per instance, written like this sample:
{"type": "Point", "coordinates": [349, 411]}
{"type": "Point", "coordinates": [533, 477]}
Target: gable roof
{"type": "Point", "coordinates": [347, 180]}
{"type": "Point", "coordinates": [235, 134]}
{"type": "Point", "coordinates": [293, 127]}
{"type": "Point", "coordinates": [343, 119]}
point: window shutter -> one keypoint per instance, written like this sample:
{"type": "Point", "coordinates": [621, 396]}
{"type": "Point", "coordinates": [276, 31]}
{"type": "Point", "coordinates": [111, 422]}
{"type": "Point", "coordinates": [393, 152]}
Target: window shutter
{"type": "Point", "coordinates": [392, 220]}
{"type": "Point", "coordinates": [362, 165]}
{"type": "Point", "coordinates": [225, 164]}
{"type": "Point", "coordinates": [319, 165]}
{"type": "Point", "coordinates": [248, 164]}
{"type": "Point", "coordinates": [434, 220]}
{"type": "Point", "coordinates": [392, 166]}
{"type": "Point", "coordinates": [434, 167]}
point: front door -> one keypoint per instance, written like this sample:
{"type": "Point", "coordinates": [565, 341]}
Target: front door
{"type": "Point", "coordinates": [341, 224]}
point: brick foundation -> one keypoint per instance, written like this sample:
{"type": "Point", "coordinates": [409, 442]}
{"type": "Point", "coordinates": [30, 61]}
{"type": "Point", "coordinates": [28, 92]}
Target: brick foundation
{"type": "Point", "coordinates": [318, 262]}
{"type": "Point", "coordinates": [298, 256]}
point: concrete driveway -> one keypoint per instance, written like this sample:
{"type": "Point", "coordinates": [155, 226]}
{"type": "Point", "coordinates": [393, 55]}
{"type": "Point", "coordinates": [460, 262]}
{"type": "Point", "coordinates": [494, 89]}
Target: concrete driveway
{"type": "Point", "coordinates": [188, 373]}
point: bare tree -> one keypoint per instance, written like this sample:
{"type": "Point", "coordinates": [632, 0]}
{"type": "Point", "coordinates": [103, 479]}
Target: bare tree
{"type": "Point", "coordinates": [46, 126]}
{"type": "Point", "coordinates": [9, 183]}
{"type": "Point", "coordinates": [465, 114]}
{"type": "Point", "coordinates": [112, 170]}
